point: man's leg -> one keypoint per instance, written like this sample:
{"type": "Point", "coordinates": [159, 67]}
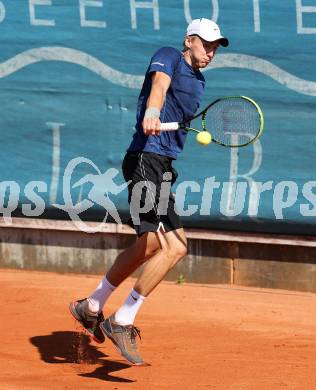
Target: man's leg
{"type": "Point", "coordinates": [119, 326]}
{"type": "Point", "coordinates": [173, 248]}
{"type": "Point", "coordinates": [131, 258]}
{"type": "Point", "coordinates": [89, 311]}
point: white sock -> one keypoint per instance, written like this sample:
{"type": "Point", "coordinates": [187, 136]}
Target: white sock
{"type": "Point", "coordinates": [97, 299]}
{"type": "Point", "coordinates": [127, 313]}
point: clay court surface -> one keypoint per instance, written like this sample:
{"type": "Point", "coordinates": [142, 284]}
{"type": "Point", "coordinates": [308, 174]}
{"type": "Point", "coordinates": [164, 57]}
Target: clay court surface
{"type": "Point", "coordinates": [194, 337]}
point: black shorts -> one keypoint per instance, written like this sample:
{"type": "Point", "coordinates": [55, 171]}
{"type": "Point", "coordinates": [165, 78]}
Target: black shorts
{"type": "Point", "coordinates": [146, 173]}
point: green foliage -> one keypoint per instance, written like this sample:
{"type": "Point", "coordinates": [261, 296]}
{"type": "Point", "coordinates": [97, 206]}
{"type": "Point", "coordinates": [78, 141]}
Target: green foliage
{"type": "Point", "coordinates": [180, 279]}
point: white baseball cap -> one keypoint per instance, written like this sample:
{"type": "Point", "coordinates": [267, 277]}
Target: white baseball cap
{"type": "Point", "coordinates": [207, 30]}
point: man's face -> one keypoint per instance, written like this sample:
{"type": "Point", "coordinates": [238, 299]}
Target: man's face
{"type": "Point", "coordinates": [202, 52]}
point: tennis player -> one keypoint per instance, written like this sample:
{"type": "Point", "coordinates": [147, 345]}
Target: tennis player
{"type": "Point", "coordinates": [171, 92]}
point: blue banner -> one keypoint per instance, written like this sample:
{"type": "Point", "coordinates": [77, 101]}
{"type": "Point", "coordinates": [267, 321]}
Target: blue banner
{"type": "Point", "coordinates": [70, 74]}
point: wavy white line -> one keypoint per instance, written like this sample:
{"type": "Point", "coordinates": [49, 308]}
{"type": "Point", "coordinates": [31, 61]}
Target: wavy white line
{"type": "Point", "coordinates": [243, 61]}
{"type": "Point", "coordinates": [64, 54]}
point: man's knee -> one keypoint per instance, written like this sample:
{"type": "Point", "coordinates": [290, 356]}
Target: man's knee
{"type": "Point", "coordinates": [176, 245]}
{"type": "Point", "coordinates": [178, 250]}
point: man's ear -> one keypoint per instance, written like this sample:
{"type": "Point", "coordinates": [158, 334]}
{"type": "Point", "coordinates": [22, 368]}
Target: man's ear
{"type": "Point", "coordinates": [187, 42]}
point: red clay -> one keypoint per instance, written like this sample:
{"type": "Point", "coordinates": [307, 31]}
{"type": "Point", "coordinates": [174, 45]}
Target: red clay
{"type": "Point", "coordinates": [194, 337]}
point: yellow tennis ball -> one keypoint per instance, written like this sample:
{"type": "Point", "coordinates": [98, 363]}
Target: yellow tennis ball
{"type": "Point", "coordinates": [204, 137]}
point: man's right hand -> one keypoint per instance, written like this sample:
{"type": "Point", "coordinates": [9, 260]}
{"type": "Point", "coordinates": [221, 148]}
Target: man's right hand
{"type": "Point", "coordinates": [151, 126]}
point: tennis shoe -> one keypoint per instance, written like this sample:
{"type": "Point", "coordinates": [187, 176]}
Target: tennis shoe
{"type": "Point", "coordinates": [124, 339]}
{"type": "Point", "coordinates": [91, 322]}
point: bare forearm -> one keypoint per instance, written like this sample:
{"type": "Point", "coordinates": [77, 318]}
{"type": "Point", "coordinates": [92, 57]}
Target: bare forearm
{"type": "Point", "coordinates": [156, 98]}
{"type": "Point", "coordinates": [155, 101]}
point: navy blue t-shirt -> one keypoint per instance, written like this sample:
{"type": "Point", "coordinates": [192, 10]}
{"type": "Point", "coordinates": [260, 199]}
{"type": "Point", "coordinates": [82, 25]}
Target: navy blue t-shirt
{"type": "Point", "coordinates": [181, 103]}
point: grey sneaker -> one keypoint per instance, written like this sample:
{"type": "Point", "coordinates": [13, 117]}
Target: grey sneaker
{"type": "Point", "coordinates": [79, 310]}
{"type": "Point", "coordinates": [124, 338]}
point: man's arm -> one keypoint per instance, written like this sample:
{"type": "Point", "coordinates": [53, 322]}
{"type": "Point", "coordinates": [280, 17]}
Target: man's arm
{"type": "Point", "coordinates": [160, 84]}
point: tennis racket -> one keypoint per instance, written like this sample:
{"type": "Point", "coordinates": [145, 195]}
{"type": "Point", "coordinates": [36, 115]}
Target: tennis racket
{"type": "Point", "coordinates": [232, 121]}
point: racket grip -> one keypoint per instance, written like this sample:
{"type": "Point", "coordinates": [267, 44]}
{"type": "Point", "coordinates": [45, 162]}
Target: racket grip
{"type": "Point", "coordinates": [169, 126]}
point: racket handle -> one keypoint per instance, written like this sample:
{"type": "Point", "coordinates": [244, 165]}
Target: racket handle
{"type": "Point", "coordinates": [169, 126]}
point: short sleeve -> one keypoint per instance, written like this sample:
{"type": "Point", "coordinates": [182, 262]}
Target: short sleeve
{"type": "Point", "coordinates": [165, 60]}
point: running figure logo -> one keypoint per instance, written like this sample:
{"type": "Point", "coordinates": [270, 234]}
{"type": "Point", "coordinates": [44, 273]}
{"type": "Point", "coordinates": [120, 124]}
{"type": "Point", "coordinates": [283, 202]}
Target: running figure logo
{"type": "Point", "coordinates": [102, 185]}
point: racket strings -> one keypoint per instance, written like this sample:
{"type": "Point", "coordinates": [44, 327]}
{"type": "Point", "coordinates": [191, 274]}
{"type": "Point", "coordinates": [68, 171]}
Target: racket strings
{"type": "Point", "coordinates": [232, 121]}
